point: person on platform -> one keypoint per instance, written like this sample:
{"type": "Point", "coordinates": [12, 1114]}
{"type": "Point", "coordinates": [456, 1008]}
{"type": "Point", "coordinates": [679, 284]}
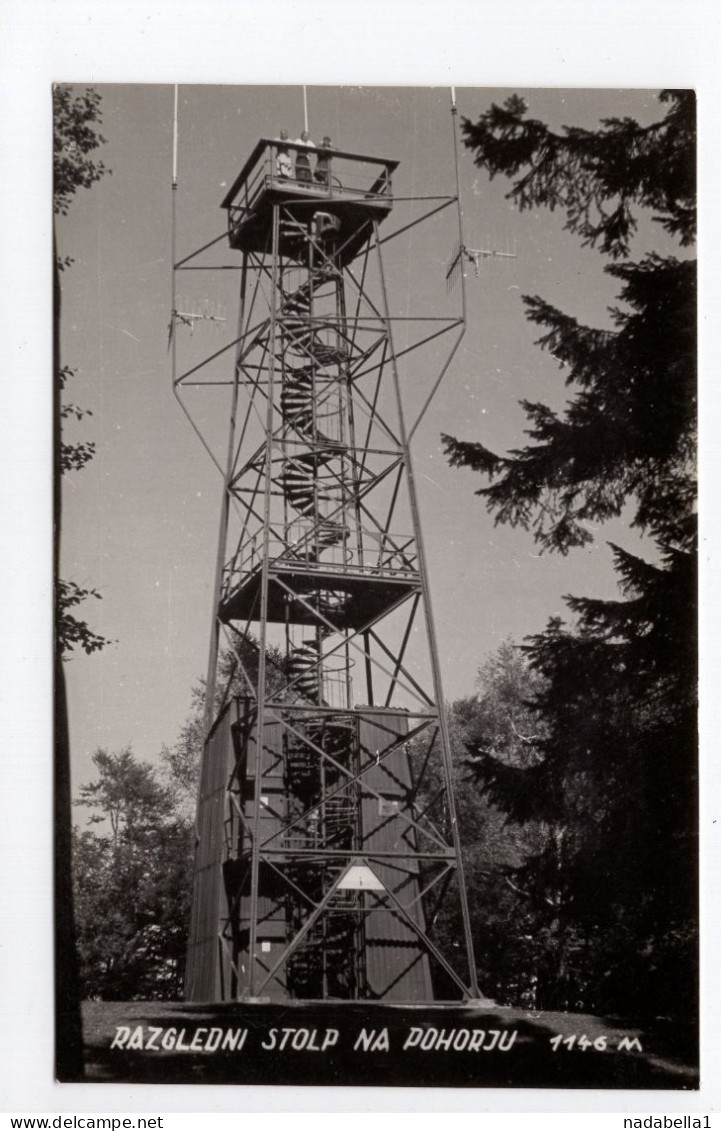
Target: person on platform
{"type": "Point", "coordinates": [302, 160]}
{"type": "Point", "coordinates": [283, 164]}
{"type": "Point", "coordinates": [322, 168]}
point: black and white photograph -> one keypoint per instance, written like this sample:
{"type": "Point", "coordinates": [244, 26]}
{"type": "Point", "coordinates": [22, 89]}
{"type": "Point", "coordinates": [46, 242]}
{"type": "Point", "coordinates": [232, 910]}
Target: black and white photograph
{"type": "Point", "coordinates": [376, 743]}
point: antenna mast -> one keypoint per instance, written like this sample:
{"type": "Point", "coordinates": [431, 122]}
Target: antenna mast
{"type": "Point", "coordinates": [461, 252]}
{"type": "Point", "coordinates": [464, 318]}
{"type": "Point", "coordinates": [173, 229]}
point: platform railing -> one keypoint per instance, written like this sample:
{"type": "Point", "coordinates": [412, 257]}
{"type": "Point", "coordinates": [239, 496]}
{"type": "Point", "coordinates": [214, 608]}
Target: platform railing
{"type": "Point", "coordinates": [336, 683]}
{"type": "Point", "coordinates": [346, 176]}
{"type": "Point", "coordinates": [382, 554]}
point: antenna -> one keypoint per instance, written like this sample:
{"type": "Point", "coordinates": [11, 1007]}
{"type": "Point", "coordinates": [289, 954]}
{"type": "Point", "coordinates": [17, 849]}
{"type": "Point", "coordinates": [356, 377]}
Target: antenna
{"type": "Point", "coordinates": [460, 251]}
{"type": "Point", "coordinates": [197, 310]}
{"type": "Point", "coordinates": [474, 255]}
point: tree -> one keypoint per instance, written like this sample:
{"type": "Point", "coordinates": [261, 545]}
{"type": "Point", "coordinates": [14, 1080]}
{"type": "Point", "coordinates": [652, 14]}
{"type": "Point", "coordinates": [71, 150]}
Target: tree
{"type": "Point", "coordinates": [500, 726]}
{"type": "Point", "coordinates": [132, 872]}
{"type": "Point", "coordinates": [496, 718]}
{"type": "Point", "coordinates": [182, 760]}
{"type": "Point", "coordinates": [133, 865]}
{"type": "Point", "coordinates": [617, 760]}
{"type": "Point", "coordinates": [75, 138]}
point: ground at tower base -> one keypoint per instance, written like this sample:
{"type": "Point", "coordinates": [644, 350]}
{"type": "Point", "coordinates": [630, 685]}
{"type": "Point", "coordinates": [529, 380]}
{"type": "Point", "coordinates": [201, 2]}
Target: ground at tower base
{"type": "Point", "coordinates": [331, 1043]}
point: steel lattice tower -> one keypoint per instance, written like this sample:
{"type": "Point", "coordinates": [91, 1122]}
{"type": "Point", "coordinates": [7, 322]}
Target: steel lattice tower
{"type": "Point", "coordinates": [327, 833]}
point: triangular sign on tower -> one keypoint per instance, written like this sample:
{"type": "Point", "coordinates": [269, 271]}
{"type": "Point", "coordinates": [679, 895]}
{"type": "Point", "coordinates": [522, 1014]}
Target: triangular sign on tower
{"type": "Point", "coordinates": [360, 877]}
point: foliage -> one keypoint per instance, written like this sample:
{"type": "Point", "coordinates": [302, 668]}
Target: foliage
{"type": "Point", "coordinates": [72, 631]}
{"type": "Point", "coordinates": [73, 456]}
{"type": "Point", "coordinates": [596, 176]}
{"type": "Point", "coordinates": [500, 726]}
{"type": "Point", "coordinates": [612, 777]}
{"type": "Point", "coordinates": [628, 432]}
{"type": "Point", "coordinates": [498, 720]}
{"type": "Point", "coordinates": [182, 760]}
{"type": "Point", "coordinates": [132, 866]}
{"type": "Point", "coordinates": [132, 879]}
{"type": "Point", "coordinates": [627, 435]}
{"type": "Point", "coordinates": [75, 138]}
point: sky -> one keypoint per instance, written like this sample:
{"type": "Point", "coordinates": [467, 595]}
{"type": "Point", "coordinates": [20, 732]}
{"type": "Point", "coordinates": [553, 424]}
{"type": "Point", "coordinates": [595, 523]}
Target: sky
{"type": "Point", "coordinates": [140, 520]}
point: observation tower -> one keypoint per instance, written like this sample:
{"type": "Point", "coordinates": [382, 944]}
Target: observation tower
{"type": "Point", "coordinates": [327, 842]}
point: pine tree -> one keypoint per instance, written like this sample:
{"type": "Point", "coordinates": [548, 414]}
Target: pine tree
{"type": "Point", "coordinates": [617, 762]}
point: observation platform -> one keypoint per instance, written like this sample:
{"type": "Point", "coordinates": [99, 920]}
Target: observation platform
{"type": "Point", "coordinates": [352, 188]}
{"type": "Point", "coordinates": [349, 594]}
